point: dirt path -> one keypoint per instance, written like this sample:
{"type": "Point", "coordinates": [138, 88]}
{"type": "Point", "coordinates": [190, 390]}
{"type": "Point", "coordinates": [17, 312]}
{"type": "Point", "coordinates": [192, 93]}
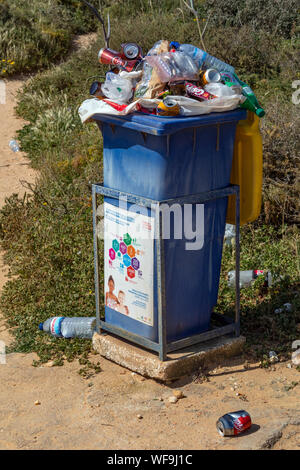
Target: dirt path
{"type": "Point", "coordinates": [102, 412]}
{"type": "Point", "coordinates": [14, 167]}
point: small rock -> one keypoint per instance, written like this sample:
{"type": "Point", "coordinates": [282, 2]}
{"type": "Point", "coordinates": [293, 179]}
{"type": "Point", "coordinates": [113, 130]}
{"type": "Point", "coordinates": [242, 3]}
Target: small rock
{"type": "Point", "coordinates": [296, 357]}
{"type": "Point", "coordinates": [142, 379]}
{"type": "Point", "coordinates": [173, 400]}
{"type": "Point", "coordinates": [139, 416]}
{"type": "Point", "coordinates": [49, 364]}
{"type": "Point", "coordinates": [133, 374]}
{"type": "Point", "coordinates": [178, 394]}
{"type": "Point", "coordinates": [289, 365]}
{"type": "Point", "coordinates": [273, 357]}
{"type": "Point", "coordinates": [37, 402]}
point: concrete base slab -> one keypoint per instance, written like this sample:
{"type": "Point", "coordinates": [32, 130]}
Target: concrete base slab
{"type": "Point", "coordinates": [179, 363]}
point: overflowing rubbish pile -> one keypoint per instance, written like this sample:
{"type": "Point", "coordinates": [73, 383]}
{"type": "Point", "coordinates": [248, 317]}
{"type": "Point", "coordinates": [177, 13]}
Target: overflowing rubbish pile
{"type": "Point", "coordinates": [172, 79]}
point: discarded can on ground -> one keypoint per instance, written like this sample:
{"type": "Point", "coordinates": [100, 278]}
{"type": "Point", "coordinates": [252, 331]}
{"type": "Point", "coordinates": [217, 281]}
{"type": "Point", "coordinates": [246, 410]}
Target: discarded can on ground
{"type": "Point", "coordinates": [197, 92]}
{"type": "Point", "coordinates": [168, 107]}
{"type": "Point", "coordinates": [209, 76]}
{"type": "Point", "coordinates": [247, 277]}
{"type": "Point", "coordinates": [273, 357]}
{"type": "Point", "coordinates": [110, 57]}
{"type": "Point", "coordinates": [131, 51]}
{"type": "Point", "coordinates": [234, 423]}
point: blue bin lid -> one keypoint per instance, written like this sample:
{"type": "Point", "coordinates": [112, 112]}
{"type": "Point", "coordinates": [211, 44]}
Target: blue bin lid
{"type": "Point", "coordinates": [159, 125]}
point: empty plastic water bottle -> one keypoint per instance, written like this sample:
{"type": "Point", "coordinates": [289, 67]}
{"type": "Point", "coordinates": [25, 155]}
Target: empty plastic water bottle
{"type": "Point", "coordinates": [247, 277]}
{"type": "Point", "coordinates": [14, 146]}
{"type": "Point", "coordinates": [63, 327]}
{"type": "Point", "coordinates": [205, 60]}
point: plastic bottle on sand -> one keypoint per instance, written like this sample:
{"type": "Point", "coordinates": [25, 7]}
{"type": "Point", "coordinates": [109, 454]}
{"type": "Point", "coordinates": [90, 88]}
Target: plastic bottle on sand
{"type": "Point", "coordinates": [63, 327]}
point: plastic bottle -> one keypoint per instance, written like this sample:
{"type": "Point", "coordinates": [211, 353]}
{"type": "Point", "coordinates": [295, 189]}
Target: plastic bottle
{"type": "Point", "coordinates": [205, 60]}
{"type": "Point", "coordinates": [251, 103]}
{"type": "Point", "coordinates": [247, 277]}
{"type": "Point", "coordinates": [14, 146]}
{"type": "Point", "coordinates": [62, 327]}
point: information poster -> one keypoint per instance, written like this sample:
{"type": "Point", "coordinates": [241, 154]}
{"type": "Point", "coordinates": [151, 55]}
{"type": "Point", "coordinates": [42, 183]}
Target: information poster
{"type": "Point", "coordinates": [128, 265]}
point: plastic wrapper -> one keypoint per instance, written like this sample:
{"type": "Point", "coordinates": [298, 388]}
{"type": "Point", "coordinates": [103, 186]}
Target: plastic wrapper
{"type": "Point", "coordinates": [188, 106]}
{"type": "Point", "coordinates": [173, 66]}
{"type": "Point", "coordinates": [117, 88]}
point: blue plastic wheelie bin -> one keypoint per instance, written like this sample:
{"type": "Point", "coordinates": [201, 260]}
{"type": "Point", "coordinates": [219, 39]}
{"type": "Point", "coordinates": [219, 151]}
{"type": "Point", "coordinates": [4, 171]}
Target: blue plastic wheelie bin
{"type": "Point", "coordinates": [163, 158]}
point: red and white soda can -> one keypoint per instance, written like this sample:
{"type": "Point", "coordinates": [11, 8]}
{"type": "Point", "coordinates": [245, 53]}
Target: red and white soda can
{"type": "Point", "coordinates": [111, 57]}
{"type": "Point", "coordinates": [234, 423]}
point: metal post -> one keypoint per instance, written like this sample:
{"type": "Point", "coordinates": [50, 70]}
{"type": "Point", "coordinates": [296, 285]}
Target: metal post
{"type": "Point", "coordinates": [161, 297]}
{"type": "Point", "coordinates": [237, 261]}
{"type": "Point", "coordinates": [96, 267]}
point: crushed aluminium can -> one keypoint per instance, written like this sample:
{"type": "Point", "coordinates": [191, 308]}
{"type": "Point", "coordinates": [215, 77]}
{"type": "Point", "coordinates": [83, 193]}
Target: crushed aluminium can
{"type": "Point", "coordinates": [209, 76]}
{"type": "Point", "coordinates": [232, 424]}
{"type": "Point", "coordinates": [168, 107]}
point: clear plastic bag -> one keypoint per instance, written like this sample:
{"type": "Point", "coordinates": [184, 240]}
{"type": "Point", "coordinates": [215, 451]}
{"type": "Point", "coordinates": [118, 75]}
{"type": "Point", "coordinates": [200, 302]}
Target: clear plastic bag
{"type": "Point", "coordinates": [116, 88]}
{"type": "Point", "coordinates": [173, 66]}
{"type": "Point", "coordinates": [218, 89]}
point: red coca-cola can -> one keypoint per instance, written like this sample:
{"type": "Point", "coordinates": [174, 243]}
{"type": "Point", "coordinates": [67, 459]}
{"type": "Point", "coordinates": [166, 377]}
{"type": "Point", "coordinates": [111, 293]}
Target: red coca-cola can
{"type": "Point", "coordinates": [234, 423]}
{"type": "Point", "coordinates": [114, 58]}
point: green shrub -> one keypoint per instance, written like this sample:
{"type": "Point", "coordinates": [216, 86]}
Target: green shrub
{"type": "Point", "coordinates": [269, 16]}
{"type": "Point", "coordinates": [37, 33]}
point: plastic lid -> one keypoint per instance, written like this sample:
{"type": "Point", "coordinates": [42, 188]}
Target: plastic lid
{"type": "Point", "coordinates": [41, 326]}
{"type": "Point", "coordinates": [175, 44]}
{"type": "Point", "coordinates": [260, 112]}
{"type": "Point", "coordinates": [161, 125]}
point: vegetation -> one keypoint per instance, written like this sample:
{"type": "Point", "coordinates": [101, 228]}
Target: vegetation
{"type": "Point", "coordinates": [37, 33]}
{"type": "Point", "coordinates": [47, 235]}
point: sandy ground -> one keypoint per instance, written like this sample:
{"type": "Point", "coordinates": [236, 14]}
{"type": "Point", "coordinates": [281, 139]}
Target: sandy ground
{"type": "Point", "coordinates": [117, 409]}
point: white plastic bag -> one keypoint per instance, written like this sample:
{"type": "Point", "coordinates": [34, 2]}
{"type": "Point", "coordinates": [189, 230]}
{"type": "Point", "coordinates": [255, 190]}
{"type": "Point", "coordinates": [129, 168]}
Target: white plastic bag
{"type": "Point", "coordinates": [219, 89]}
{"type": "Point", "coordinates": [116, 88]}
{"type": "Point", "coordinates": [191, 107]}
